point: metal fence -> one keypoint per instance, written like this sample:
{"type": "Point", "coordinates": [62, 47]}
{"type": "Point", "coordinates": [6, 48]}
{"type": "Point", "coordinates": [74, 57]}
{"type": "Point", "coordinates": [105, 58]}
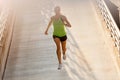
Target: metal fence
{"type": "Point", "coordinates": [6, 29]}
{"type": "Point", "coordinates": [3, 21]}
{"type": "Point", "coordinates": [110, 22]}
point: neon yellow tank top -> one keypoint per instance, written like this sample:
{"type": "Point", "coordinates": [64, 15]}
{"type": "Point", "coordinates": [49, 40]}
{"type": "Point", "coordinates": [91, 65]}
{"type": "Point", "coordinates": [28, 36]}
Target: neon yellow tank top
{"type": "Point", "coordinates": [59, 29]}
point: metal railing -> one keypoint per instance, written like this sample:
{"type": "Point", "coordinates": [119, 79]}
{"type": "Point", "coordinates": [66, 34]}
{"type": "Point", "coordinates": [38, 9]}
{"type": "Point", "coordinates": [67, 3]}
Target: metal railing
{"type": "Point", "coordinates": [3, 21]}
{"type": "Point", "coordinates": [110, 22]}
{"type": "Point", "coordinates": [3, 31]}
{"type": "Point", "coordinates": [7, 19]}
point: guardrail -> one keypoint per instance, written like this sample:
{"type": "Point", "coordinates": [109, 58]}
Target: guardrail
{"type": "Point", "coordinates": [3, 20]}
{"type": "Point", "coordinates": [110, 22]}
{"type": "Point", "coordinates": [6, 29]}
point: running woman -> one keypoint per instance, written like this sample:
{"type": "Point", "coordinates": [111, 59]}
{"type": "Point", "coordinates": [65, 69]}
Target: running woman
{"type": "Point", "coordinates": [59, 22]}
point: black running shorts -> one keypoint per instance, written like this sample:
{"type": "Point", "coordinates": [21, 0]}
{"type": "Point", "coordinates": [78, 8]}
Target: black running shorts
{"type": "Point", "coordinates": [64, 38]}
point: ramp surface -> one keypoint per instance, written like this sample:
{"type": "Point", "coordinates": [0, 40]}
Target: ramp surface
{"type": "Point", "coordinates": [32, 54]}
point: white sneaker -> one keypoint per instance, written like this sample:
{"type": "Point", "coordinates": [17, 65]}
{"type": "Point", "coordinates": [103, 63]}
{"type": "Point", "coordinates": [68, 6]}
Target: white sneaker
{"type": "Point", "coordinates": [59, 66]}
{"type": "Point", "coordinates": [64, 57]}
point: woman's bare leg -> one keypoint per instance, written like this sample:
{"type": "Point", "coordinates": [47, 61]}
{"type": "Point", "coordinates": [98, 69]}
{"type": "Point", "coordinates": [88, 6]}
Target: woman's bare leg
{"type": "Point", "coordinates": [64, 49]}
{"type": "Point", "coordinates": [58, 51]}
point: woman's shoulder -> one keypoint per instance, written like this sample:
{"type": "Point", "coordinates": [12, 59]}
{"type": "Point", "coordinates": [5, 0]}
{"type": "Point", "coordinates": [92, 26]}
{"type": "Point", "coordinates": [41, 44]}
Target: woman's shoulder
{"type": "Point", "coordinates": [52, 17]}
{"type": "Point", "coordinates": [63, 17]}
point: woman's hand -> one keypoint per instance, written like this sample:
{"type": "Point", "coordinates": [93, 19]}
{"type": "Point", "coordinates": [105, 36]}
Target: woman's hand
{"type": "Point", "coordinates": [46, 32]}
{"type": "Point", "coordinates": [67, 25]}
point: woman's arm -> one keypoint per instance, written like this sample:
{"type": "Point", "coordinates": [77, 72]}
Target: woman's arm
{"type": "Point", "coordinates": [46, 31]}
{"type": "Point", "coordinates": [66, 22]}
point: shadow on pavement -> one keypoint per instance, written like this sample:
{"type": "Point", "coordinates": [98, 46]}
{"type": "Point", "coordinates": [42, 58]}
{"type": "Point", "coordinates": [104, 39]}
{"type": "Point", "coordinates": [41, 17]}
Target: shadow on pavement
{"type": "Point", "coordinates": [76, 66]}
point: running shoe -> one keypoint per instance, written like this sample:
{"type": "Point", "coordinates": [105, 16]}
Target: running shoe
{"type": "Point", "coordinates": [59, 66]}
{"type": "Point", "coordinates": [64, 57]}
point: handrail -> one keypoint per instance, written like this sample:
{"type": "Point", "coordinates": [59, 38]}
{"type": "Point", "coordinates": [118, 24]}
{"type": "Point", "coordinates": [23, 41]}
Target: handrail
{"type": "Point", "coordinates": [110, 22]}
{"type": "Point", "coordinates": [3, 19]}
{"type": "Point", "coordinates": [7, 18]}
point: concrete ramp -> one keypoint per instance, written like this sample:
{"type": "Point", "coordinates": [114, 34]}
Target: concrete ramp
{"type": "Point", "coordinates": [32, 55]}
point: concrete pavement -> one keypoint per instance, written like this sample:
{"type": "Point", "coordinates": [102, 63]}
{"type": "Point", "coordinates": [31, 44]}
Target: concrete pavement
{"type": "Point", "coordinates": [32, 55]}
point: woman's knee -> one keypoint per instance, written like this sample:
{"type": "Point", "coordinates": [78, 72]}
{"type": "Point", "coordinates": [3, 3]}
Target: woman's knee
{"type": "Point", "coordinates": [58, 49]}
{"type": "Point", "coordinates": [64, 46]}
{"type": "Point", "coordinates": [64, 49]}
